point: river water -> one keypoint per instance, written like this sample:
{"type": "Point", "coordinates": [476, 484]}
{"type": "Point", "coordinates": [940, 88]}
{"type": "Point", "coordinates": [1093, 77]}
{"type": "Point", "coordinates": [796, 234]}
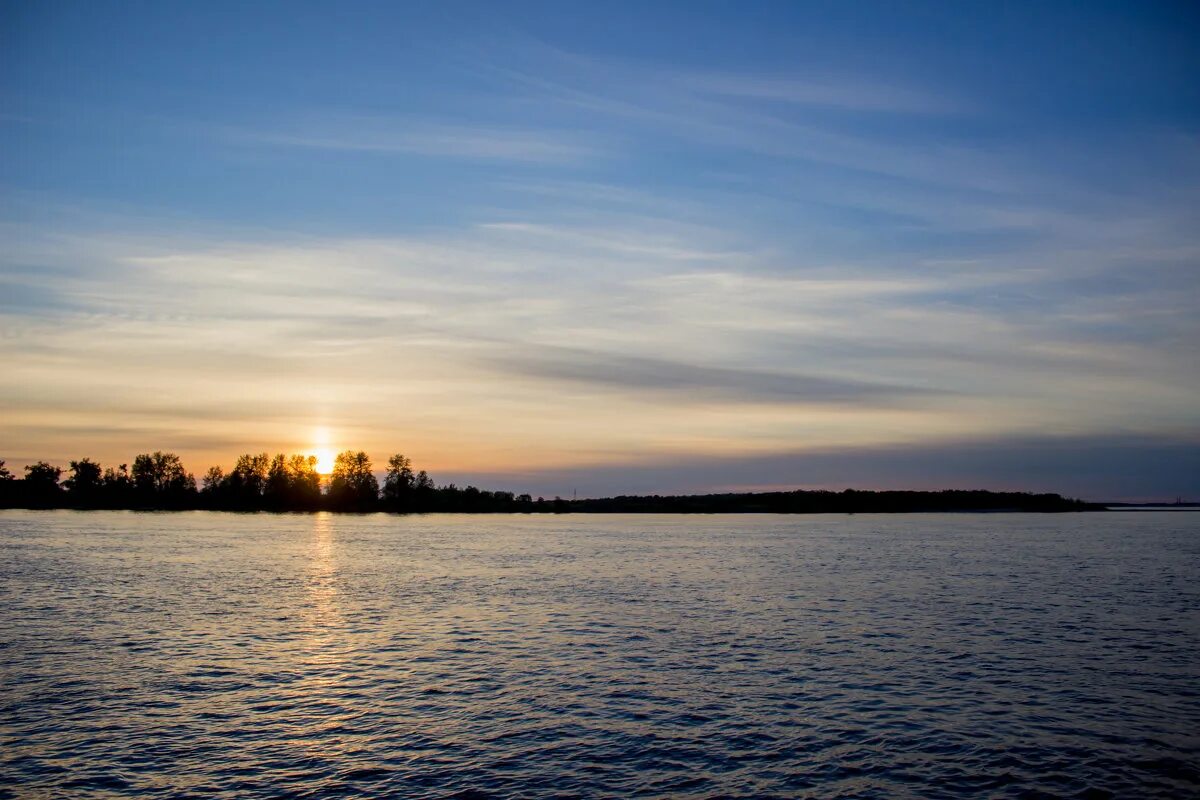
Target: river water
{"type": "Point", "coordinates": [218, 655]}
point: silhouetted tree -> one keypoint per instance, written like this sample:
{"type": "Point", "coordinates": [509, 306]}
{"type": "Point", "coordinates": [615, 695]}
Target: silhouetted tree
{"type": "Point", "coordinates": [8, 487]}
{"type": "Point", "coordinates": [399, 485]}
{"type": "Point", "coordinates": [277, 488]}
{"type": "Point", "coordinates": [214, 488]}
{"type": "Point", "coordinates": [86, 483]}
{"type": "Point", "coordinates": [118, 487]}
{"type": "Point", "coordinates": [212, 481]}
{"type": "Point", "coordinates": [353, 486]}
{"type": "Point", "coordinates": [41, 487]}
{"type": "Point", "coordinates": [424, 493]}
{"type": "Point", "coordinates": [304, 484]}
{"type": "Point", "coordinates": [248, 480]}
{"type": "Point", "coordinates": [161, 481]}
{"type": "Point", "coordinates": [42, 474]}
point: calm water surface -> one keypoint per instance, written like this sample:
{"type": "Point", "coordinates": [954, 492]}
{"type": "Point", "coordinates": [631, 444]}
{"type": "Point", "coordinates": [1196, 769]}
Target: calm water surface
{"type": "Point", "coordinates": [219, 656]}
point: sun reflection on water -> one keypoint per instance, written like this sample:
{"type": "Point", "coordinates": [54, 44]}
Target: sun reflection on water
{"type": "Point", "coordinates": [323, 655]}
{"type": "Point", "coordinates": [322, 613]}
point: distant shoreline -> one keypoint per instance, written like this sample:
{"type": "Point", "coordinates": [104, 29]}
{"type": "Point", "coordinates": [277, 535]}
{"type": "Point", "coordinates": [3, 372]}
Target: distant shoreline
{"type": "Point", "coordinates": [474, 501]}
{"type": "Point", "coordinates": [158, 481]}
{"type": "Point", "coordinates": [1151, 506]}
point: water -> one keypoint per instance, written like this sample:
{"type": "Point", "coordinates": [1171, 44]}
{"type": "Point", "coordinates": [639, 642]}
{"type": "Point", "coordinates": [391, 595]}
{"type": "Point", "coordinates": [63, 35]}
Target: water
{"type": "Point", "coordinates": [219, 656]}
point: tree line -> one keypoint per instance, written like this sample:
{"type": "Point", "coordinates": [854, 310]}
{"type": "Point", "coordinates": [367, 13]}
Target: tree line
{"type": "Point", "coordinates": [261, 482]}
{"type": "Point", "coordinates": [257, 482]}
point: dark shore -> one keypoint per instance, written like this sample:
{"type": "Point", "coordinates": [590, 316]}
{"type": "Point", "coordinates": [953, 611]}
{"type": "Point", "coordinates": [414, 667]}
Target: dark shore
{"type": "Point", "coordinates": [475, 501]}
{"type": "Point", "coordinates": [260, 482]}
{"type": "Point", "coordinates": [850, 501]}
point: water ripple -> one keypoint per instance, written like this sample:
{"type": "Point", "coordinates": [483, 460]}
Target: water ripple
{"type": "Point", "coordinates": [229, 656]}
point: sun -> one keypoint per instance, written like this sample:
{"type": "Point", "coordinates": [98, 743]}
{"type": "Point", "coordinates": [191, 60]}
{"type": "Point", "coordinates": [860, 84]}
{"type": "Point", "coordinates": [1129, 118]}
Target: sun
{"type": "Point", "coordinates": [324, 460]}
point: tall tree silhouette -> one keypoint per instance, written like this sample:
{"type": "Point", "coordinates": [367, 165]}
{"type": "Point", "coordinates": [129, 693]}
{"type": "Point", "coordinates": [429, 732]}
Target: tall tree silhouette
{"type": "Point", "coordinates": [41, 484]}
{"type": "Point", "coordinates": [400, 484]}
{"type": "Point", "coordinates": [248, 480]}
{"type": "Point", "coordinates": [118, 487]}
{"type": "Point", "coordinates": [214, 488]}
{"type": "Point", "coordinates": [304, 484]}
{"type": "Point", "coordinates": [86, 484]}
{"type": "Point", "coordinates": [160, 480]}
{"type": "Point", "coordinates": [352, 486]}
{"type": "Point", "coordinates": [278, 485]}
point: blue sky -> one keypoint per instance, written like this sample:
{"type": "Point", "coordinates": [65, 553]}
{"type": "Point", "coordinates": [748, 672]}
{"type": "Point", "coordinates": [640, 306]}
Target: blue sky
{"type": "Point", "coordinates": [566, 246]}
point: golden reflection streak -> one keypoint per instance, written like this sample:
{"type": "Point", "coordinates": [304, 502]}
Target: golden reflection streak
{"type": "Point", "coordinates": [323, 655]}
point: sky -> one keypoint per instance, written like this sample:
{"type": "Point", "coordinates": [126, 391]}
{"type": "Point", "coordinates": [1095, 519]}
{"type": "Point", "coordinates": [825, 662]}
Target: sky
{"type": "Point", "coordinates": [609, 247]}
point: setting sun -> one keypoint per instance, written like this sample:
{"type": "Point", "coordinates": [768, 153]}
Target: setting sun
{"type": "Point", "coordinates": [325, 458]}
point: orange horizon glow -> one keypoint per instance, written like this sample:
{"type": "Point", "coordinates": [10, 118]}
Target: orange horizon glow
{"type": "Point", "coordinates": [325, 454]}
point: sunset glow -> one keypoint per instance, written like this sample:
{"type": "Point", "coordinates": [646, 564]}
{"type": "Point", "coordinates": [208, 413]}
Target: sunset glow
{"type": "Point", "coordinates": [325, 458]}
{"type": "Point", "coordinates": [908, 259]}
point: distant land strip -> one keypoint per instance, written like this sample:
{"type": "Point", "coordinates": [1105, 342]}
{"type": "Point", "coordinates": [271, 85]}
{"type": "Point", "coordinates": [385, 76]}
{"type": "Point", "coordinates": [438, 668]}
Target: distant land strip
{"type": "Point", "coordinates": [260, 482]}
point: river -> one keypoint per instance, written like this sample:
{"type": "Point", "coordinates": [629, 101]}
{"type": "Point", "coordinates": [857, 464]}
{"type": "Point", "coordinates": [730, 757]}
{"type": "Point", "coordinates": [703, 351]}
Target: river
{"type": "Point", "coordinates": [214, 655]}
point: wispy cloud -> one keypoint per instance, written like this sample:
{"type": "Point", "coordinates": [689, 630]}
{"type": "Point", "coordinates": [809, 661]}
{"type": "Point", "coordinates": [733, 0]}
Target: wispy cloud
{"type": "Point", "coordinates": [689, 383]}
{"type": "Point", "coordinates": [400, 135]}
{"type": "Point", "coordinates": [822, 91]}
{"type": "Point", "coordinates": [465, 346]}
{"type": "Point", "coordinates": [767, 115]}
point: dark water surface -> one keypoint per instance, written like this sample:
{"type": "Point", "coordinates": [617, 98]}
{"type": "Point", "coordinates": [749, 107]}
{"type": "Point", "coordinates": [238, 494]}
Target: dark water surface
{"type": "Point", "coordinates": [220, 656]}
